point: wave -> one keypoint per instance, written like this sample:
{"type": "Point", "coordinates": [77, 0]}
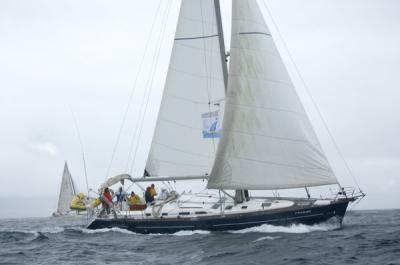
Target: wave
{"type": "Point", "coordinates": [125, 231]}
{"type": "Point", "coordinates": [52, 230]}
{"type": "Point", "coordinates": [108, 230]}
{"type": "Point", "coordinates": [46, 230]}
{"type": "Point", "coordinates": [293, 229]}
{"type": "Point", "coordinates": [190, 233]}
{"type": "Point", "coordinates": [22, 232]}
{"type": "Point", "coordinates": [266, 238]}
{"type": "Point", "coordinates": [40, 237]}
{"type": "Point", "coordinates": [266, 228]}
{"type": "Point", "coordinates": [18, 236]}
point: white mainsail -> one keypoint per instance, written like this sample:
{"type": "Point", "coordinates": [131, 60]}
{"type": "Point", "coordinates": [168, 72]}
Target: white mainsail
{"type": "Point", "coordinates": [67, 191]}
{"type": "Point", "coordinates": [268, 141]}
{"type": "Point", "coordinates": [193, 96]}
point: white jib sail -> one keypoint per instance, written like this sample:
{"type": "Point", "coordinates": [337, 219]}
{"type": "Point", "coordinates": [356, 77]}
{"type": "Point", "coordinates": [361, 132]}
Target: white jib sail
{"type": "Point", "coordinates": [188, 125]}
{"type": "Point", "coordinates": [267, 139]}
{"type": "Point", "coordinates": [67, 191]}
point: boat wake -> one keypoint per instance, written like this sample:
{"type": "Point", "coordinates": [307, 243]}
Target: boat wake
{"type": "Point", "coordinates": [267, 229]}
{"type": "Point", "coordinates": [293, 229]}
{"type": "Point", "coordinates": [125, 231]}
{"type": "Point", "coordinates": [329, 225]}
{"type": "Point", "coordinates": [107, 230]}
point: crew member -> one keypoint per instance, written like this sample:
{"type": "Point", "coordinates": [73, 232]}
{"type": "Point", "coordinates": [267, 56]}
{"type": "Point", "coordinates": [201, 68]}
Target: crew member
{"type": "Point", "coordinates": [153, 191]}
{"type": "Point", "coordinates": [133, 199]}
{"type": "Point", "coordinates": [149, 199]}
{"type": "Point", "coordinates": [106, 199]}
{"type": "Point", "coordinates": [78, 202]}
{"type": "Point", "coordinates": [120, 195]}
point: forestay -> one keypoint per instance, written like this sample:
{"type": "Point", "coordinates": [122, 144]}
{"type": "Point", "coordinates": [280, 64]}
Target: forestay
{"type": "Point", "coordinates": [268, 141]}
{"type": "Point", "coordinates": [186, 134]}
{"type": "Point", "coordinates": [67, 191]}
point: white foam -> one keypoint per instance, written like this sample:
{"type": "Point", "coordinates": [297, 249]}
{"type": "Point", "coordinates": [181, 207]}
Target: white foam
{"type": "Point", "coordinates": [190, 233]}
{"type": "Point", "coordinates": [293, 229]}
{"type": "Point", "coordinates": [266, 238]}
{"type": "Point", "coordinates": [107, 230]}
{"type": "Point", "coordinates": [52, 230]}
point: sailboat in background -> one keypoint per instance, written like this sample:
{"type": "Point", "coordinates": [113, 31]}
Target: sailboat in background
{"type": "Point", "coordinates": [68, 191]}
{"type": "Point", "coordinates": [264, 142]}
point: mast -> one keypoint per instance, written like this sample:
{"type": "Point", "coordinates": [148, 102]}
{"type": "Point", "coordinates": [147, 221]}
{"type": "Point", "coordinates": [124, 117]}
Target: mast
{"type": "Point", "coordinates": [221, 42]}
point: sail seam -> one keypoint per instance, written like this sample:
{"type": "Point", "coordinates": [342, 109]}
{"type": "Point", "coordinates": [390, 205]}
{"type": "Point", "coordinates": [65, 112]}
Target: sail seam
{"type": "Point", "coordinates": [197, 37]}
{"type": "Point", "coordinates": [184, 164]}
{"type": "Point", "coordinates": [275, 137]}
{"type": "Point", "coordinates": [211, 50]}
{"type": "Point", "coordinates": [234, 185]}
{"type": "Point", "coordinates": [207, 22]}
{"type": "Point", "coordinates": [283, 164]}
{"type": "Point", "coordinates": [183, 151]}
{"type": "Point", "coordinates": [186, 99]}
{"type": "Point", "coordinates": [268, 108]}
{"type": "Point", "coordinates": [258, 51]}
{"type": "Point", "coordinates": [262, 79]}
{"type": "Point", "coordinates": [248, 20]}
{"type": "Point", "coordinates": [194, 101]}
{"type": "Point", "coordinates": [180, 124]}
{"type": "Point", "coordinates": [196, 75]}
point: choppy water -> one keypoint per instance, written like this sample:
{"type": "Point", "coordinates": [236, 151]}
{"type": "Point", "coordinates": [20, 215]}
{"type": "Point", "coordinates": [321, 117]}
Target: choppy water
{"type": "Point", "coordinates": [367, 237]}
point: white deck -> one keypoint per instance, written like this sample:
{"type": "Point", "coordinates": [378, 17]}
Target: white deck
{"type": "Point", "coordinates": [207, 204]}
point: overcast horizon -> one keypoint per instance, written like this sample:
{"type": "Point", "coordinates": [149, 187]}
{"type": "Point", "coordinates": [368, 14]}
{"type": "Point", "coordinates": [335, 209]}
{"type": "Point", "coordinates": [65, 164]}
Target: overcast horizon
{"type": "Point", "coordinates": [78, 59]}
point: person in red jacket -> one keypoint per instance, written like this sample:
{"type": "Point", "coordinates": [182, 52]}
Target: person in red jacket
{"type": "Point", "coordinates": [107, 200]}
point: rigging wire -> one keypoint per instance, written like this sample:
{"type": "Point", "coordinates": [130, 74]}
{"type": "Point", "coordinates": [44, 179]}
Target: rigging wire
{"type": "Point", "coordinates": [146, 96]}
{"type": "Point", "coordinates": [208, 71]}
{"type": "Point", "coordinates": [123, 122]}
{"type": "Point", "coordinates": [311, 97]}
{"type": "Point", "coordinates": [137, 123]}
{"type": "Point", "coordinates": [82, 149]}
{"type": "Point", "coordinates": [149, 83]}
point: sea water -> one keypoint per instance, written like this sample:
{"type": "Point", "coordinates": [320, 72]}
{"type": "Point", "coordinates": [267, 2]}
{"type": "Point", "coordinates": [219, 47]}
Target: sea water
{"type": "Point", "coordinates": [366, 237]}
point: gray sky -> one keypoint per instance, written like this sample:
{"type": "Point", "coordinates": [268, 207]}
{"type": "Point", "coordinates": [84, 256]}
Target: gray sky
{"type": "Point", "coordinates": [84, 56]}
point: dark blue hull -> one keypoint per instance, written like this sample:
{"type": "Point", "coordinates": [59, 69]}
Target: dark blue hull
{"type": "Point", "coordinates": [308, 215]}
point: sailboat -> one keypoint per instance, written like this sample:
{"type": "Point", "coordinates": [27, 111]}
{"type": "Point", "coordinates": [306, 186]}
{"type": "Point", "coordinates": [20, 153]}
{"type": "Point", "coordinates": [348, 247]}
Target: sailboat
{"type": "Point", "coordinates": [241, 131]}
{"type": "Point", "coordinates": [67, 192]}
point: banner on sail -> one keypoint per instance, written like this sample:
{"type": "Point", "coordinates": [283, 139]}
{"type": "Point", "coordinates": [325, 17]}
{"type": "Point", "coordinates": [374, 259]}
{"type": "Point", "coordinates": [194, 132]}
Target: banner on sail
{"type": "Point", "coordinates": [211, 124]}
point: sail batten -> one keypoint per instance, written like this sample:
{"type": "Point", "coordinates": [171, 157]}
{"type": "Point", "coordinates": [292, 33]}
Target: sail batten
{"type": "Point", "coordinates": [192, 96]}
{"type": "Point", "coordinates": [256, 32]}
{"type": "Point", "coordinates": [267, 139]}
{"type": "Point", "coordinates": [197, 37]}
